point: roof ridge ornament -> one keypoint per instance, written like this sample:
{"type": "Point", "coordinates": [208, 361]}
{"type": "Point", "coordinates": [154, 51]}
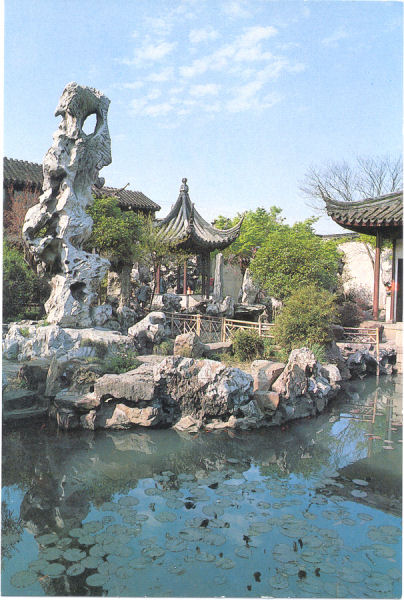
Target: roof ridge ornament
{"type": "Point", "coordinates": [184, 187]}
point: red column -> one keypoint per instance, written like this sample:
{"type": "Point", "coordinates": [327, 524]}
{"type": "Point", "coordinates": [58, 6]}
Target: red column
{"type": "Point", "coordinates": [393, 291]}
{"type": "Point", "coordinates": [376, 277]}
{"type": "Point", "coordinates": [184, 287]}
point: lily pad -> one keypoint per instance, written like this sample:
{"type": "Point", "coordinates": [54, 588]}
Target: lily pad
{"type": "Point", "coordinates": [278, 582]}
{"type": "Point", "coordinates": [243, 552]}
{"type": "Point", "coordinates": [225, 563]}
{"type": "Point", "coordinates": [153, 551]}
{"type": "Point", "coordinates": [358, 494]}
{"type": "Point", "coordinates": [213, 510]}
{"type": "Point", "coordinates": [383, 551]}
{"type": "Point", "coordinates": [128, 501]}
{"type": "Point", "coordinates": [76, 569]}
{"type": "Point", "coordinates": [54, 570]}
{"type": "Point", "coordinates": [74, 555]}
{"type": "Point", "coordinates": [38, 565]}
{"type": "Point", "coordinates": [76, 532]}
{"type": "Point", "coordinates": [379, 582]}
{"type": "Point", "coordinates": [92, 526]}
{"type": "Point", "coordinates": [176, 545]}
{"type": "Point", "coordinates": [152, 492]}
{"type": "Point", "coordinates": [51, 553]}
{"type": "Point", "coordinates": [360, 482]}
{"type": "Point", "coordinates": [165, 516]}
{"type": "Point", "coordinates": [125, 572]}
{"type": "Point", "coordinates": [336, 590]}
{"type": "Point", "coordinates": [23, 579]}
{"type": "Point", "coordinates": [86, 540]}
{"type": "Point", "coordinates": [205, 556]}
{"type": "Point", "coordinates": [92, 562]}
{"type": "Point", "coordinates": [47, 539]}
{"type": "Point", "coordinates": [64, 542]}
{"type": "Point", "coordinates": [109, 506]}
{"type": "Point", "coordinates": [97, 580]}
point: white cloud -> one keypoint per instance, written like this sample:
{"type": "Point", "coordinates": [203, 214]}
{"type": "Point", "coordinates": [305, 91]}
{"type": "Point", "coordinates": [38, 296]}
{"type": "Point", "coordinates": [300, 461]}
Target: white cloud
{"type": "Point", "coordinates": [164, 75]}
{"type": "Point", "coordinates": [196, 36]}
{"type": "Point", "coordinates": [158, 110]}
{"type": "Point", "coordinates": [207, 89]}
{"type": "Point", "coordinates": [253, 35]}
{"type": "Point", "coordinates": [236, 9]}
{"type": "Point", "coordinates": [334, 38]}
{"type": "Point", "coordinates": [151, 52]}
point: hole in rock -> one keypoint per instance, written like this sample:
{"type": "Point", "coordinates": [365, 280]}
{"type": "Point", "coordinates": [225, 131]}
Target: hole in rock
{"type": "Point", "coordinates": [90, 124]}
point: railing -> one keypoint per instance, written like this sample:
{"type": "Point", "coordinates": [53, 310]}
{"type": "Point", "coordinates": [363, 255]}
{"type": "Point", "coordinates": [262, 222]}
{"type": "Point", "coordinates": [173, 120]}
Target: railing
{"type": "Point", "coordinates": [214, 329]}
{"type": "Point", "coordinates": [365, 335]}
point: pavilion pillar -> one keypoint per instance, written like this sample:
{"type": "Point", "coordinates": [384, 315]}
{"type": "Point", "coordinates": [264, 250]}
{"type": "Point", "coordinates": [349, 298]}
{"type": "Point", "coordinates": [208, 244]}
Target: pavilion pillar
{"type": "Point", "coordinates": [376, 282]}
{"type": "Point", "coordinates": [184, 285]}
{"type": "Point", "coordinates": [158, 280]}
{"type": "Point", "coordinates": [393, 287]}
{"type": "Point", "coordinates": [207, 258]}
{"type": "Point", "coordinates": [178, 279]}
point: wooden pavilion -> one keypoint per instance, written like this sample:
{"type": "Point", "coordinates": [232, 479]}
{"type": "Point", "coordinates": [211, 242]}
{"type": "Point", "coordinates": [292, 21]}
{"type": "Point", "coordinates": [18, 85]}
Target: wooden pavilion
{"type": "Point", "coordinates": [383, 218]}
{"type": "Point", "coordinates": [185, 229]}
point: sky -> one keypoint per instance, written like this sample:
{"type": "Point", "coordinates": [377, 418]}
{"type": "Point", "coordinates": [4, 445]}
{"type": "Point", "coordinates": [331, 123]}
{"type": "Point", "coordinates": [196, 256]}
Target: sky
{"type": "Point", "coordinates": [242, 97]}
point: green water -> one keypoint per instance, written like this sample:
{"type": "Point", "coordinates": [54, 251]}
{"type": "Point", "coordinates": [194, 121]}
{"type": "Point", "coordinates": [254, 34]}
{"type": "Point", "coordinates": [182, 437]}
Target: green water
{"type": "Point", "coordinates": [309, 510]}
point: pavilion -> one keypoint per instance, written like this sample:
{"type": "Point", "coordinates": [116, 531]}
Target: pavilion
{"type": "Point", "coordinates": [381, 217]}
{"type": "Point", "coordinates": [184, 229]}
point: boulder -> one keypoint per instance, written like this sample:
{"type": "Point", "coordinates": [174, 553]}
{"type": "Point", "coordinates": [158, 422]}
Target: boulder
{"type": "Point", "coordinates": [249, 289]}
{"type": "Point", "coordinates": [33, 341]}
{"type": "Point", "coordinates": [267, 401]}
{"type": "Point", "coordinates": [332, 374]}
{"type": "Point", "coordinates": [149, 331]}
{"type": "Point", "coordinates": [188, 345]}
{"type": "Point", "coordinates": [247, 312]}
{"type": "Point", "coordinates": [35, 373]}
{"type": "Point", "coordinates": [217, 348]}
{"type": "Point", "coordinates": [171, 303]}
{"type": "Point", "coordinates": [265, 373]}
{"type": "Point", "coordinates": [73, 375]}
{"type": "Point", "coordinates": [187, 423]}
{"type": "Point", "coordinates": [135, 386]}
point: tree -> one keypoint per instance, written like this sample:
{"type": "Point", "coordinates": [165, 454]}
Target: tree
{"type": "Point", "coordinates": [344, 182]}
{"type": "Point", "coordinates": [256, 226]}
{"type": "Point", "coordinates": [115, 235]}
{"type": "Point", "coordinates": [295, 256]}
{"type": "Point", "coordinates": [306, 319]}
{"type": "Point", "coordinates": [14, 216]}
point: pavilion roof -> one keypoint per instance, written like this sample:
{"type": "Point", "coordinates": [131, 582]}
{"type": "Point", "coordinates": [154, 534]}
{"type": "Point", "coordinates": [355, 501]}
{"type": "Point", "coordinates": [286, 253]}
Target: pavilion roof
{"type": "Point", "coordinates": [384, 213]}
{"type": "Point", "coordinates": [185, 229]}
{"type": "Point", "coordinates": [20, 173]}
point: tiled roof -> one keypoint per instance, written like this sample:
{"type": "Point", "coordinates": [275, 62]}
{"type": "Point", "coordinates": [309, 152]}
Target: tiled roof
{"type": "Point", "coordinates": [369, 215]}
{"type": "Point", "coordinates": [22, 172]}
{"type": "Point", "coordinates": [184, 227]}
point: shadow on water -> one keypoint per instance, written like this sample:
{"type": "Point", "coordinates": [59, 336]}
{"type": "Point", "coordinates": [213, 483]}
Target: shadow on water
{"type": "Point", "coordinates": [207, 503]}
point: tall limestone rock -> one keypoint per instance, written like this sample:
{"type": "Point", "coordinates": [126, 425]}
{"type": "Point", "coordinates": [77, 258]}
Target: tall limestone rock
{"type": "Point", "coordinates": [56, 228]}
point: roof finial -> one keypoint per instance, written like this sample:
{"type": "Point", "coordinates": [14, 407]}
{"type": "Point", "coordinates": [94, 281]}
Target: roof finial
{"type": "Point", "coordinates": [184, 187]}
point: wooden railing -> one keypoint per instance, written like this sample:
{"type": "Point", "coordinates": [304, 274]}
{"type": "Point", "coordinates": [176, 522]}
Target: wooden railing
{"type": "Point", "coordinates": [214, 329]}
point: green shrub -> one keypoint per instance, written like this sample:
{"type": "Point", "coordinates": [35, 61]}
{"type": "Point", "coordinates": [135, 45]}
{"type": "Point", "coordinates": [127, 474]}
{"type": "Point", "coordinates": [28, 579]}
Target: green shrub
{"type": "Point", "coordinates": [101, 348]}
{"type": "Point", "coordinates": [121, 362]}
{"type": "Point", "coordinates": [166, 348]}
{"type": "Point", "coordinates": [305, 319]}
{"type": "Point", "coordinates": [269, 351]}
{"type": "Point", "coordinates": [24, 331]}
{"type": "Point", "coordinates": [247, 345]}
{"type": "Point", "coordinates": [350, 314]}
{"type": "Point", "coordinates": [319, 352]}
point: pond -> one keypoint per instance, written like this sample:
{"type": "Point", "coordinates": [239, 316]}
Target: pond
{"type": "Point", "coordinates": [312, 509]}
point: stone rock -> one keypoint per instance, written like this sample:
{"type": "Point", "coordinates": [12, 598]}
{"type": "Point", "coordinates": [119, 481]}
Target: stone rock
{"type": "Point", "coordinates": [333, 355]}
{"type": "Point", "coordinates": [28, 342]}
{"type": "Point", "coordinates": [149, 331]}
{"type": "Point", "coordinates": [265, 372]}
{"type": "Point", "coordinates": [35, 374]}
{"type": "Point", "coordinates": [171, 302]}
{"type": "Point", "coordinates": [224, 308]}
{"type": "Point", "coordinates": [217, 348]}
{"type": "Point", "coordinates": [245, 312]}
{"type": "Point", "coordinates": [121, 416]}
{"type": "Point", "coordinates": [302, 389]}
{"type": "Point", "coordinates": [332, 373]}
{"type": "Point", "coordinates": [212, 309]}
{"type": "Point", "coordinates": [143, 294]}
{"type": "Point", "coordinates": [135, 386]}
{"type": "Point", "coordinates": [187, 423]}
{"type": "Point", "coordinates": [69, 400]}
{"type": "Point", "coordinates": [73, 375]}
{"type": "Point", "coordinates": [126, 316]}
{"type": "Point", "coordinates": [218, 277]}
{"type": "Point", "coordinates": [4, 381]}
{"type": "Point", "coordinates": [267, 401]}
{"type": "Point", "coordinates": [113, 288]}
{"type": "Point", "coordinates": [102, 315]}
{"type": "Point", "coordinates": [188, 345]}
{"type": "Point", "coordinates": [249, 289]}
{"type": "Point", "coordinates": [56, 229]}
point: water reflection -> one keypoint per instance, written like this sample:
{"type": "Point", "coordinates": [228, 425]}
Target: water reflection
{"type": "Point", "coordinates": [163, 513]}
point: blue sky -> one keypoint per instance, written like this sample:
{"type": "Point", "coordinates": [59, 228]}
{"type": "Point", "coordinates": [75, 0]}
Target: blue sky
{"type": "Point", "coordinates": [239, 96]}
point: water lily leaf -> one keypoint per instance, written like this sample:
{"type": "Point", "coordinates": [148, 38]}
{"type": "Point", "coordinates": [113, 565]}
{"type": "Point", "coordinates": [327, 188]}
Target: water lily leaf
{"type": "Point", "coordinates": [97, 550]}
{"type": "Point", "coordinates": [152, 492]}
{"type": "Point", "coordinates": [76, 532]}
{"type": "Point", "coordinates": [175, 569]}
{"type": "Point", "coordinates": [51, 554]}
{"type": "Point", "coordinates": [283, 553]}
{"type": "Point", "coordinates": [47, 539]}
{"type": "Point", "coordinates": [23, 579]}
{"type": "Point", "coordinates": [191, 535]}
{"type": "Point", "coordinates": [336, 590]}
{"type": "Point", "coordinates": [225, 563]}
{"type": "Point", "coordinates": [243, 552]}
{"type": "Point", "coordinates": [139, 563]}
{"type": "Point", "coordinates": [76, 569]}
{"type": "Point", "coordinates": [351, 574]}
{"type": "Point", "coordinates": [38, 565]}
{"type": "Point", "coordinates": [128, 501]}
{"type": "Point", "coordinates": [214, 539]}
{"type": "Point", "coordinates": [64, 542]}
{"type": "Point", "coordinates": [125, 572]}
{"type": "Point", "coordinates": [74, 555]}
{"type": "Point", "coordinates": [176, 545]}
{"type": "Point", "coordinates": [108, 506]}
{"type": "Point", "coordinates": [153, 551]}
{"type": "Point", "coordinates": [360, 482]}
{"type": "Point", "coordinates": [54, 570]}
{"type": "Point", "coordinates": [174, 503]}
{"type": "Point", "coordinates": [92, 526]}
{"type": "Point", "coordinates": [383, 551]}
{"type": "Point", "coordinates": [212, 510]}
{"type": "Point", "coordinates": [141, 517]}
{"type": "Point", "coordinates": [97, 580]}
{"type": "Point", "coordinates": [92, 562]}
{"type": "Point", "coordinates": [365, 517]}
{"type": "Point", "coordinates": [116, 529]}
{"type": "Point", "coordinates": [348, 522]}
{"type": "Point", "coordinates": [86, 540]}
{"type": "Point", "coordinates": [384, 533]}
{"type": "Point", "coordinates": [278, 582]}
{"type": "Point", "coordinates": [379, 582]}
{"type": "Point", "coordinates": [358, 493]}
{"type": "Point", "coordinates": [205, 556]}
{"type": "Point", "coordinates": [165, 516]}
